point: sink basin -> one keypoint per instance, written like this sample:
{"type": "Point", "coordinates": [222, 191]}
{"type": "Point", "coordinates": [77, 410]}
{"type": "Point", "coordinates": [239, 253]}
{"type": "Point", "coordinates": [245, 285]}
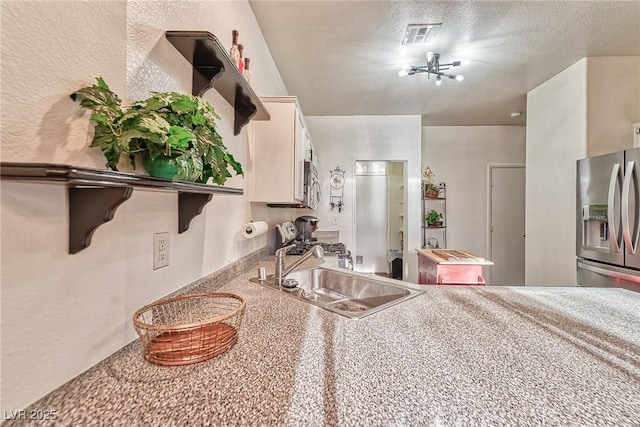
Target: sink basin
{"type": "Point", "coordinates": [350, 294]}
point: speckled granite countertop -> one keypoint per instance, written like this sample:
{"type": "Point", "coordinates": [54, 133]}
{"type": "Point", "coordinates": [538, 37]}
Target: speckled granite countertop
{"type": "Point", "coordinates": [454, 356]}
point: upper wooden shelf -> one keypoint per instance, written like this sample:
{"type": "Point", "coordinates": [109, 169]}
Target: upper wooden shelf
{"type": "Point", "coordinates": [95, 194]}
{"type": "Point", "coordinates": [212, 68]}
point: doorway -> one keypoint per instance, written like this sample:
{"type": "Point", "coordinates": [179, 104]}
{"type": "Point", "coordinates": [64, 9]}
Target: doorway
{"type": "Point", "coordinates": [379, 217]}
{"type": "Point", "coordinates": [506, 228]}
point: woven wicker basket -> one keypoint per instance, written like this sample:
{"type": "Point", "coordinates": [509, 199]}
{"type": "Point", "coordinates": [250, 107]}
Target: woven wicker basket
{"type": "Point", "coordinates": [189, 328]}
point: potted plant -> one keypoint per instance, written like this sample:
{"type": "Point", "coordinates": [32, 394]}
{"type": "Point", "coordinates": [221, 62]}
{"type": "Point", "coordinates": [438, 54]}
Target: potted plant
{"type": "Point", "coordinates": [175, 134]}
{"type": "Point", "coordinates": [434, 218]}
{"type": "Point", "coordinates": [431, 190]}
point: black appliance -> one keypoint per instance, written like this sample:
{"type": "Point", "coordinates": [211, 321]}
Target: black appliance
{"type": "Point", "coordinates": [305, 226]}
{"type": "Point", "coordinates": [288, 234]}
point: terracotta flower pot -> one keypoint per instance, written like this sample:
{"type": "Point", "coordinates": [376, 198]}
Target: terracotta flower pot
{"type": "Point", "coordinates": [431, 193]}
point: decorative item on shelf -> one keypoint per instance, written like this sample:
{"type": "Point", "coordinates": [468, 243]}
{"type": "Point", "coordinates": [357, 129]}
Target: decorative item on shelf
{"type": "Point", "coordinates": [245, 73]}
{"type": "Point", "coordinates": [240, 59]}
{"type": "Point", "coordinates": [161, 166]}
{"type": "Point", "coordinates": [234, 53]}
{"type": "Point", "coordinates": [434, 218]}
{"type": "Point", "coordinates": [431, 190]}
{"type": "Point", "coordinates": [168, 127]}
{"type": "Point", "coordinates": [209, 60]}
{"type": "Point", "coordinates": [189, 328]}
{"type": "Point", "coordinates": [432, 243]}
{"type": "Point", "coordinates": [336, 180]}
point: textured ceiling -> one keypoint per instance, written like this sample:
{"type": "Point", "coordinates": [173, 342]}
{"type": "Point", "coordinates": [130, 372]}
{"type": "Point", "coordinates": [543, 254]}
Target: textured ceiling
{"type": "Point", "coordinates": [342, 57]}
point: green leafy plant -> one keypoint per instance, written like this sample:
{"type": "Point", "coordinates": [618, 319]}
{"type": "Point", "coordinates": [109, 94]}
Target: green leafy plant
{"type": "Point", "coordinates": [433, 217]}
{"type": "Point", "coordinates": [168, 124]}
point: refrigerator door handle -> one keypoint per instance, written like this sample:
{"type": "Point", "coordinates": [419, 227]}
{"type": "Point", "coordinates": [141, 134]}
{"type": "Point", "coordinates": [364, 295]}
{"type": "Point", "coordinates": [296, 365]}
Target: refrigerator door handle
{"type": "Point", "coordinates": [613, 230]}
{"type": "Point", "coordinates": [631, 244]}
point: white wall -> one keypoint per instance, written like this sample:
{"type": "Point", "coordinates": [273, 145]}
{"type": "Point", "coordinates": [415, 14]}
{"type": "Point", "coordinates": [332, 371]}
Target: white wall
{"type": "Point", "coordinates": [459, 156]}
{"type": "Point", "coordinates": [556, 135]}
{"type": "Point", "coordinates": [342, 140]}
{"type": "Point", "coordinates": [588, 109]}
{"type": "Point", "coordinates": [63, 313]}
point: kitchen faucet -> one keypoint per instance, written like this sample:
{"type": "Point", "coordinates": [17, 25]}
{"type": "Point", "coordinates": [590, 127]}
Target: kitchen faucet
{"type": "Point", "coordinates": [282, 271]}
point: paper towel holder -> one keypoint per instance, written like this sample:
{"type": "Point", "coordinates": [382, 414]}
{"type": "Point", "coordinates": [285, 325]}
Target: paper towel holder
{"type": "Point", "coordinates": [254, 228]}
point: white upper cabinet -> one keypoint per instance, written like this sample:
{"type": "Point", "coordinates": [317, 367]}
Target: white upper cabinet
{"type": "Point", "coordinates": [279, 148]}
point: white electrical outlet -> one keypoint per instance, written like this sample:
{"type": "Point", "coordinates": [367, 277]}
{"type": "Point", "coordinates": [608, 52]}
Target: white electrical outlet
{"type": "Point", "coordinates": [160, 250]}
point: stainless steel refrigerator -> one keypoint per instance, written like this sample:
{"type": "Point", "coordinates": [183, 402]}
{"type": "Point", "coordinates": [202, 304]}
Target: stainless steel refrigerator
{"type": "Point", "coordinates": [607, 220]}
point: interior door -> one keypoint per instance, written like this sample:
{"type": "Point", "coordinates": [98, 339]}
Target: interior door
{"type": "Point", "coordinates": [507, 224]}
{"type": "Point", "coordinates": [371, 224]}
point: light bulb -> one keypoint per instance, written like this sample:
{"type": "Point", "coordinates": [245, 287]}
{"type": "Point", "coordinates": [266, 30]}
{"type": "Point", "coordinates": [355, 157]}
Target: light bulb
{"type": "Point", "coordinates": [403, 73]}
{"type": "Point", "coordinates": [429, 56]}
{"type": "Point", "coordinates": [466, 62]}
{"type": "Point", "coordinates": [438, 81]}
{"type": "Point", "coordinates": [460, 77]}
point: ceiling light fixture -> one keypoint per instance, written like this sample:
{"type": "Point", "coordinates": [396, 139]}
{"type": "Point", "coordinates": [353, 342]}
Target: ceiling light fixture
{"type": "Point", "coordinates": [433, 67]}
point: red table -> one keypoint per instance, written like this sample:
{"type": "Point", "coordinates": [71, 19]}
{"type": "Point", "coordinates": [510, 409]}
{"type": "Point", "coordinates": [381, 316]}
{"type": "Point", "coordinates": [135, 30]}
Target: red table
{"type": "Point", "coordinates": [450, 267]}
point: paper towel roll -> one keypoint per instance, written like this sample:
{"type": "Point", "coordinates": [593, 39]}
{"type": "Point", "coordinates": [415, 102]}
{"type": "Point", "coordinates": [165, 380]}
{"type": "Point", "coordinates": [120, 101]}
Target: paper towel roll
{"type": "Point", "coordinates": [254, 229]}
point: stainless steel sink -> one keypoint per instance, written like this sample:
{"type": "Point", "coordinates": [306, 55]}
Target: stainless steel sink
{"type": "Point", "coordinates": [350, 294]}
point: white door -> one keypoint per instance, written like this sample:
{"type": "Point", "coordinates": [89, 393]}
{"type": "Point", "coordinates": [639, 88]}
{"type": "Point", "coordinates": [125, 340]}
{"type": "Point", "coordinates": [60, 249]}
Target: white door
{"type": "Point", "coordinates": [506, 229]}
{"type": "Point", "coordinates": [371, 224]}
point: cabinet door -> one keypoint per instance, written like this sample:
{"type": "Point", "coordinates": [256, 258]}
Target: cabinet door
{"type": "Point", "coordinates": [300, 144]}
{"type": "Point", "coordinates": [422, 277]}
{"type": "Point", "coordinates": [277, 174]}
{"type": "Point", "coordinates": [427, 271]}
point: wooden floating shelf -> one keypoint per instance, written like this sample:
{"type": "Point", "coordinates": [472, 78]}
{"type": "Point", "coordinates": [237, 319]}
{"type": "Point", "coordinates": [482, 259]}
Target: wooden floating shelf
{"type": "Point", "coordinates": [212, 68]}
{"type": "Point", "coordinates": [95, 194]}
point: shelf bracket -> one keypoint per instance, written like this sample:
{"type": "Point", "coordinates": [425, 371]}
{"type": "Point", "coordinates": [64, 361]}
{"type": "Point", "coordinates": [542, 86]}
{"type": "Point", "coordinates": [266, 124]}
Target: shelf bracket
{"type": "Point", "coordinates": [244, 110]}
{"type": "Point", "coordinates": [90, 207]}
{"type": "Point", "coordinates": [190, 205]}
{"type": "Point", "coordinates": [204, 78]}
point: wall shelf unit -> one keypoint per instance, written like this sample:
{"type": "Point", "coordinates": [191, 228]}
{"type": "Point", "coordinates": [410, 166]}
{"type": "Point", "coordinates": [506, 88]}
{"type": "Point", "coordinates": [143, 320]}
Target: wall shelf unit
{"type": "Point", "coordinates": [434, 236]}
{"type": "Point", "coordinates": [212, 68]}
{"type": "Point", "coordinates": [95, 194]}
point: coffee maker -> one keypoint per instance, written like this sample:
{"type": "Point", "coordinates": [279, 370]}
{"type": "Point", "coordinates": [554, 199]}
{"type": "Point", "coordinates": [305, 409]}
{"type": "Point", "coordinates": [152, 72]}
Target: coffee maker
{"type": "Point", "coordinates": [305, 226]}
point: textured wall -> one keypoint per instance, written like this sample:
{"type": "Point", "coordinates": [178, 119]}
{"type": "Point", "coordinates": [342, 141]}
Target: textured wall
{"type": "Point", "coordinates": [63, 313]}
